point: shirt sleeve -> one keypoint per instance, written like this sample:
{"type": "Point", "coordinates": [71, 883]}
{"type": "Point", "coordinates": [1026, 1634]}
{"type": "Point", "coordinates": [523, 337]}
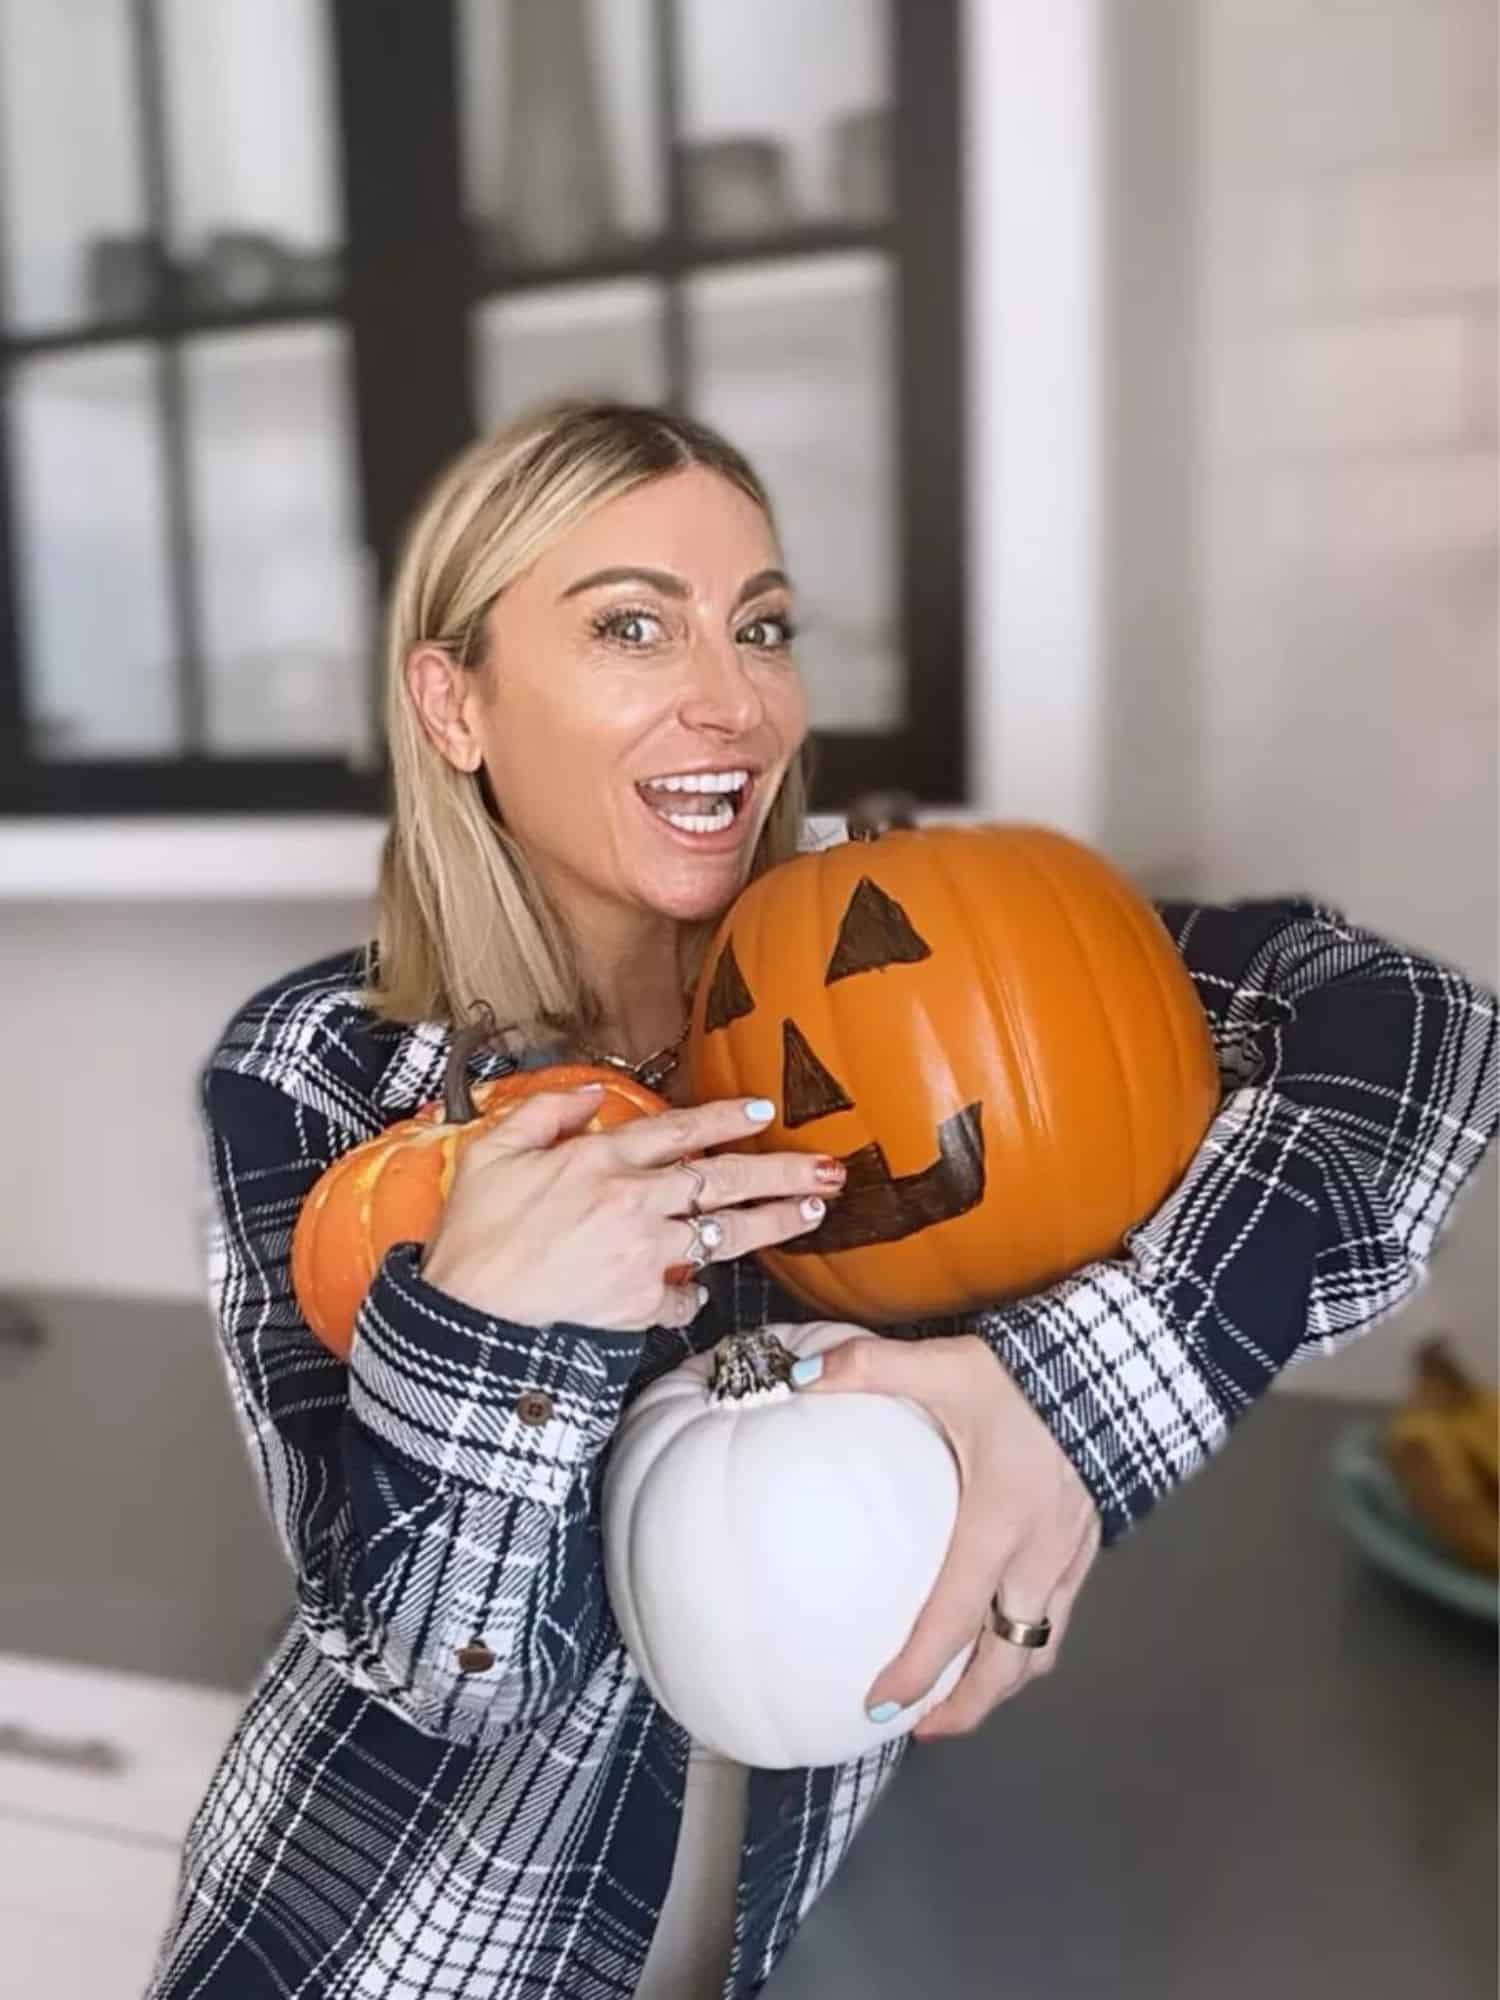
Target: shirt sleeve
{"type": "Point", "coordinates": [437, 1497]}
{"type": "Point", "coordinates": [1361, 1089]}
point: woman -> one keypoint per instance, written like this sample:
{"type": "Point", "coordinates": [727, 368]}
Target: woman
{"type": "Point", "coordinates": [449, 1779]}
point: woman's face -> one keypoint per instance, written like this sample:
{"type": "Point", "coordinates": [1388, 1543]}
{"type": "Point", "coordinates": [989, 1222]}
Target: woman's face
{"type": "Point", "coordinates": [638, 704]}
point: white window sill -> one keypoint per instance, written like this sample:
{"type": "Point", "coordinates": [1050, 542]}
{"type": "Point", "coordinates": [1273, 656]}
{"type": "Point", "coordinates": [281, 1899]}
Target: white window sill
{"type": "Point", "coordinates": [206, 860]}
{"type": "Point", "coordinates": [225, 860]}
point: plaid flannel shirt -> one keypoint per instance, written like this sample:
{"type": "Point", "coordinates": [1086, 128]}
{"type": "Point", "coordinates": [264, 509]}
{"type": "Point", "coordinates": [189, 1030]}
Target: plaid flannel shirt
{"type": "Point", "coordinates": [387, 1825]}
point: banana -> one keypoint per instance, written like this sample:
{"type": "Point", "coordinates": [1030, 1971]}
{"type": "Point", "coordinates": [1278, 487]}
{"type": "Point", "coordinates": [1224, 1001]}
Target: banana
{"type": "Point", "coordinates": [1443, 1445]}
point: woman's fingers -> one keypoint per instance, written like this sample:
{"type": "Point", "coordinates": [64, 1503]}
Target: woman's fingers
{"type": "Point", "coordinates": [731, 1179]}
{"type": "Point", "coordinates": [996, 1672]}
{"type": "Point", "coordinates": [733, 1232]}
{"type": "Point", "coordinates": [953, 1613]}
{"type": "Point", "coordinates": [536, 1123]}
{"type": "Point", "coordinates": [1064, 1595]}
{"type": "Point", "coordinates": [681, 1304]}
{"type": "Point", "coordinates": [670, 1135]}
{"type": "Point", "coordinates": [999, 1667]}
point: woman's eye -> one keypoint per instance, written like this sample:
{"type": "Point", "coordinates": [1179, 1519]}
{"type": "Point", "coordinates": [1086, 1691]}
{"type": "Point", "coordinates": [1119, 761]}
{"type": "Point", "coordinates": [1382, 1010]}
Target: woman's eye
{"type": "Point", "coordinates": [771, 634]}
{"type": "Point", "coordinates": [631, 628]}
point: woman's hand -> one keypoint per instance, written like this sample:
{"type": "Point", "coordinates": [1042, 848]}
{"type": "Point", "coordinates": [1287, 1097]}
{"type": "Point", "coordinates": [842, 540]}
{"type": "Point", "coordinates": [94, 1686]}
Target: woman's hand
{"type": "Point", "coordinates": [1026, 1528]}
{"type": "Point", "coordinates": [546, 1222]}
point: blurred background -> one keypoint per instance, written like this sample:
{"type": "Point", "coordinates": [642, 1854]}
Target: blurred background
{"type": "Point", "coordinates": [1125, 375]}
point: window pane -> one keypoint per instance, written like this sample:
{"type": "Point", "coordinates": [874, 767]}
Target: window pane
{"type": "Point", "coordinates": [91, 545]}
{"type": "Point", "coordinates": [560, 127]}
{"type": "Point", "coordinates": [584, 340]}
{"type": "Point", "coordinates": [75, 245]}
{"type": "Point", "coordinates": [785, 114]}
{"type": "Point", "coordinates": [280, 568]}
{"type": "Point", "coordinates": [793, 362]}
{"type": "Point", "coordinates": [253, 151]}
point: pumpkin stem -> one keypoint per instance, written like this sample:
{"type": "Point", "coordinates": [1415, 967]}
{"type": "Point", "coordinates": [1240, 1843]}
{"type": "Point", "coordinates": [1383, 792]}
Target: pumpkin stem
{"type": "Point", "coordinates": [749, 1366]}
{"type": "Point", "coordinates": [875, 813]}
{"type": "Point", "coordinates": [458, 1096]}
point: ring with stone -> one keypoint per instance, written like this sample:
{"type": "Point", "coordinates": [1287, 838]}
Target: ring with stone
{"type": "Point", "coordinates": [708, 1236]}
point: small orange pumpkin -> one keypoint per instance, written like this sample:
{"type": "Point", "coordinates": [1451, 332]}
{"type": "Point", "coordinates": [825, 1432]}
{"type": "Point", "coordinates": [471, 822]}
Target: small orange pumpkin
{"type": "Point", "coordinates": [392, 1187]}
{"type": "Point", "coordinates": [989, 1026]}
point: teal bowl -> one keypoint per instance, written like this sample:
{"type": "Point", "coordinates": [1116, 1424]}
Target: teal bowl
{"type": "Point", "coordinates": [1373, 1510]}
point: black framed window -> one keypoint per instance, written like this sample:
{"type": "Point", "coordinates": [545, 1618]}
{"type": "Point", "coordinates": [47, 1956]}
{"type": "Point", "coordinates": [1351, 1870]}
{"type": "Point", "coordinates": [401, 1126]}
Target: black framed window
{"type": "Point", "coordinates": [311, 246]}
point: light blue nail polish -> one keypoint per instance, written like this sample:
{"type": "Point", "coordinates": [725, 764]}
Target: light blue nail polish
{"type": "Point", "coordinates": [884, 1711]}
{"type": "Point", "coordinates": [808, 1369]}
{"type": "Point", "coordinates": [760, 1111]}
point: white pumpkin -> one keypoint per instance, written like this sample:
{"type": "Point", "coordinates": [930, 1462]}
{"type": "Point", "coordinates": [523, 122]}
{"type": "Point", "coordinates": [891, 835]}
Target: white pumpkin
{"type": "Point", "coordinates": [767, 1553]}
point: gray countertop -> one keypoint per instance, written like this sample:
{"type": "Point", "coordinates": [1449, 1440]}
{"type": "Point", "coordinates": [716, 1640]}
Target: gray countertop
{"type": "Point", "coordinates": [1261, 1769]}
{"type": "Point", "coordinates": [131, 1533]}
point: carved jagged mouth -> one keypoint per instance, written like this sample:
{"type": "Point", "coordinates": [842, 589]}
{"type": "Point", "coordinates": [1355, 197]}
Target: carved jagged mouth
{"type": "Point", "coordinates": [879, 1207]}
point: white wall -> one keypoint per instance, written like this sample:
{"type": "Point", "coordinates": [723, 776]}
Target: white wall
{"type": "Point", "coordinates": [1234, 533]}
{"type": "Point", "coordinates": [110, 1009]}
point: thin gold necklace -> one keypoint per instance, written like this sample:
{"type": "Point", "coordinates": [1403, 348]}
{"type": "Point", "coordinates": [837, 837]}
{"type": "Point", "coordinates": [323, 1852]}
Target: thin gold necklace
{"type": "Point", "coordinates": [652, 1071]}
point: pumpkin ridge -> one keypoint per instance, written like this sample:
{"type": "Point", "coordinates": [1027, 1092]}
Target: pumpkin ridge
{"type": "Point", "coordinates": [1132, 1133]}
{"type": "Point", "coordinates": [1016, 1047]}
{"type": "Point", "coordinates": [1136, 919]}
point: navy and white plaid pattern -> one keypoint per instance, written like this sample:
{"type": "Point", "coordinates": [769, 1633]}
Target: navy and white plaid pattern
{"type": "Point", "coordinates": [387, 1826]}
{"type": "Point", "coordinates": [1361, 1088]}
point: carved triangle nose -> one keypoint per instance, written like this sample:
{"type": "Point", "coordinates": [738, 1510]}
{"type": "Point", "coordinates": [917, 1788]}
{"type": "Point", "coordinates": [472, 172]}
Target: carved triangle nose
{"type": "Point", "coordinates": [808, 1088]}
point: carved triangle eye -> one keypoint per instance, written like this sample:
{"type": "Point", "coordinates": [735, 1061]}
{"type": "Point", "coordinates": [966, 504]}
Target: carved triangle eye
{"type": "Point", "coordinates": [876, 932]}
{"type": "Point", "coordinates": [729, 998]}
{"type": "Point", "coordinates": [808, 1090]}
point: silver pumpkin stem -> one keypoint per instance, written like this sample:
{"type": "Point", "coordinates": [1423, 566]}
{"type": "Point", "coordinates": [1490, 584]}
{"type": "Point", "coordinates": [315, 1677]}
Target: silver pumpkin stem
{"type": "Point", "coordinates": [748, 1364]}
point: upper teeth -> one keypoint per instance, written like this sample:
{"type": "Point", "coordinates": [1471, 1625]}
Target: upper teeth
{"type": "Point", "coordinates": [703, 781]}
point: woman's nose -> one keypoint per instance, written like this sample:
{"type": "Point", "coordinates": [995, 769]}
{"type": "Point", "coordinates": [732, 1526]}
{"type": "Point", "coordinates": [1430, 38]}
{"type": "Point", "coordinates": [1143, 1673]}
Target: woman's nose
{"type": "Point", "coordinates": [719, 693]}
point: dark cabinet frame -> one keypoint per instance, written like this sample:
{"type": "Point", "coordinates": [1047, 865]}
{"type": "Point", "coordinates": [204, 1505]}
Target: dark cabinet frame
{"type": "Point", "coordinates": [410, 278]}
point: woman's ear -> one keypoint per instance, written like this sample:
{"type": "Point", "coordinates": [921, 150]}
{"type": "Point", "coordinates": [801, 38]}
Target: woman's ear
{"type": "Point", "coordinates": [444, 695]}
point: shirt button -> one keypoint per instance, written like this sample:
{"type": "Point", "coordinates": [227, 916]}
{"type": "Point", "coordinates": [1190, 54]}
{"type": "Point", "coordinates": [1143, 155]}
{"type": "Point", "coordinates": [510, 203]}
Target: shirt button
{"type": "Point", "coordinates": [534, 1407]}
{"type": "Point", "coordinates": [475, 1658]}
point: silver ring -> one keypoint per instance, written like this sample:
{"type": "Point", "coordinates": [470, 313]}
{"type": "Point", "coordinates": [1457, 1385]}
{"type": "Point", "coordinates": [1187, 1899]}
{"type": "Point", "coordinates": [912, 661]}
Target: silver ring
{"type": "Point", "coordinates": [699, 1184]}
{"type": "Point", "coordinates": [1028, 1632]}
{"type": "Point", "coordinates": [708, 1236]}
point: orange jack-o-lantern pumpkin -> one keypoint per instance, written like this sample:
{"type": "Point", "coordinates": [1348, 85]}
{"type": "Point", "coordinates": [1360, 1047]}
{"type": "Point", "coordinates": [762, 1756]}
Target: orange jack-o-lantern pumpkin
{"type": "Point", "coordinates": [391, 1189]}
{"type": "Point", "coordinates": [989, 1026]}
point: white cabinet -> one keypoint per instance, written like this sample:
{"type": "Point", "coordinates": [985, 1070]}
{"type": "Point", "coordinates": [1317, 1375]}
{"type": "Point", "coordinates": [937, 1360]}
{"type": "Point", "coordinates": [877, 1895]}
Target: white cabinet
{"type": "Point", "coordinates": [100, 1773]}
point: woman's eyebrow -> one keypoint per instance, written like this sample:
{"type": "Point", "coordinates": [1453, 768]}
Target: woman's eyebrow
{"type": "Point", "coordinates": [659, 579]}
{"type": "Point", "coordinates": [763, 579]}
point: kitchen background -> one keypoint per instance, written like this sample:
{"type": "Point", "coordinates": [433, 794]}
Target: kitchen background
{"type": "Point", "coordinates": [1125, 371]}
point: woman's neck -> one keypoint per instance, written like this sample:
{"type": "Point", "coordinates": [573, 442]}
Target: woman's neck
{"type": "Point", "coordinates": [633, 969]}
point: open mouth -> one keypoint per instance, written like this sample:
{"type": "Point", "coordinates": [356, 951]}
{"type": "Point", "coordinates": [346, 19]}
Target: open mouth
{"type": "Point", "coordinates": [699, 801]}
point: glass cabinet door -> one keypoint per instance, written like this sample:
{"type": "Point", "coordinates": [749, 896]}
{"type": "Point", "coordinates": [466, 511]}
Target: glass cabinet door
{"type": "Point", "coordinates": [793, 356]}
{"type": "Point", "coordinates": [560, 133]}
{"type": "Point", "coordinates": [77, 234]}
{"type": "Point", "coordinates": [278, 570]}
{"type": "Point", "coordinates": [793, 362]}
{"type": "Point", "coordinates": [183, 501]}
{"type": "Point", "coordinates": [265, 265]}
{"type": "Point", "coordinates": [767, 303]}
{"type": "Point", "coordinates": [786, 120]}
{"type": "Point", "coordinates": [251, 153]}
{"type": "Point", "coordinates": [96, 606]}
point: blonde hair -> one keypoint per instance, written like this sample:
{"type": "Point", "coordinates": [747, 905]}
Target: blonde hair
{"type": "Point", "coordinates": [463, 918]}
